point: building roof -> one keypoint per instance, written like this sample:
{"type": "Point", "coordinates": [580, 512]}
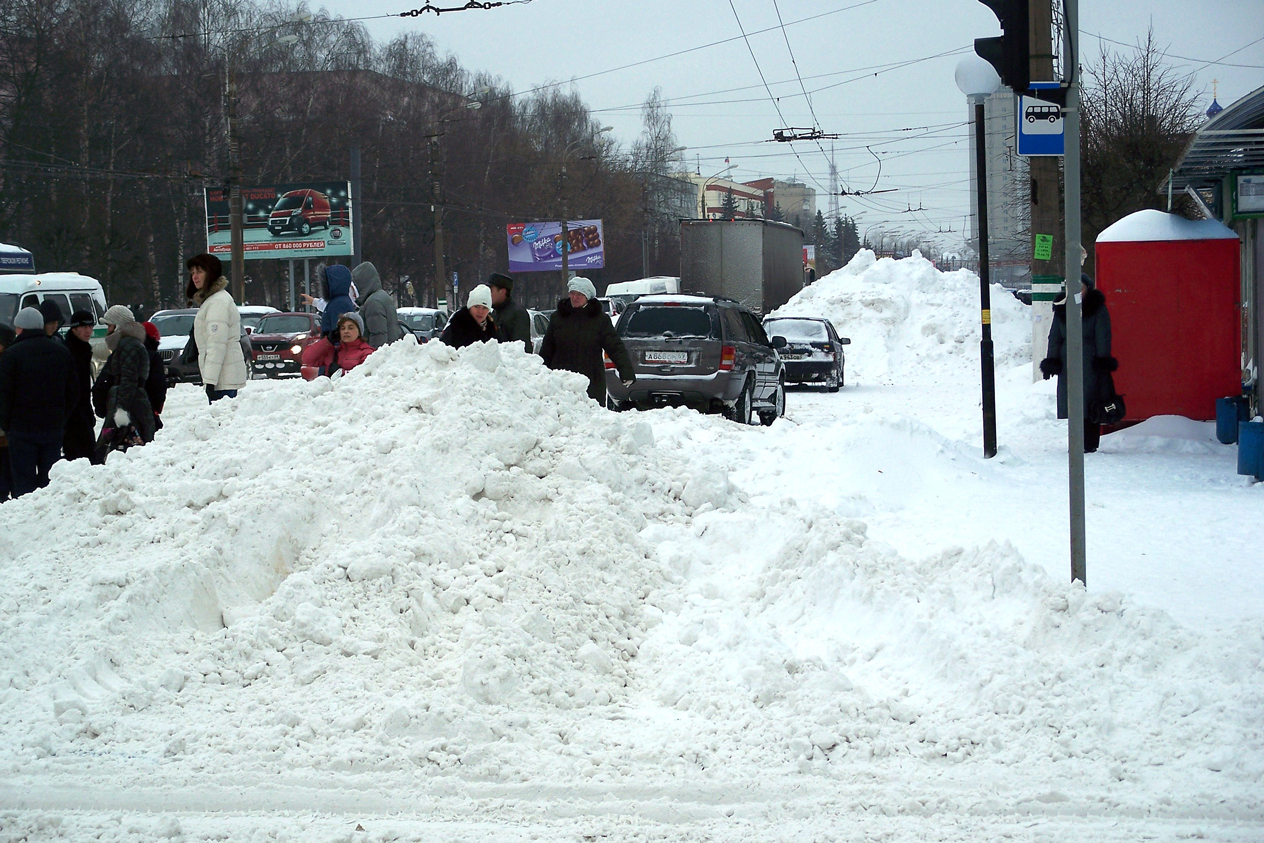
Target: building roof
{"type": "Point", "coordinates": [1232, 140]}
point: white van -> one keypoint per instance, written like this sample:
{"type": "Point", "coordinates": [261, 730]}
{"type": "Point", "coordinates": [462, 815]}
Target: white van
{"type": "Point", "coordinates": [70, 290]}
{"type": "Point", "coordinates": [629, 291]}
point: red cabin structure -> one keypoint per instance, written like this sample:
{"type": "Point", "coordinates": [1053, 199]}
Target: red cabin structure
{"type": "Point", "coordinates": [1173, 287]}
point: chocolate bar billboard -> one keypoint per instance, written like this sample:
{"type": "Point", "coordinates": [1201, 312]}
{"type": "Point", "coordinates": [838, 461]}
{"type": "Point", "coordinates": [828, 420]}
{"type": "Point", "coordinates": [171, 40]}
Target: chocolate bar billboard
{"type": "Point", "coordinates": [537, 246]}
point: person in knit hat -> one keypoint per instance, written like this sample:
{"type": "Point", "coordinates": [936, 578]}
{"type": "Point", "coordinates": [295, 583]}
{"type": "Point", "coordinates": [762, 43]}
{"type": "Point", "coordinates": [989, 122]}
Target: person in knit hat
{"type": "Point", "coordinates": [129, 418]}
{"type": "Point", "coordinates": [473, 324]}
{"type": "Point", "coordinates": [79, 441]}
{"type": "Point", "coordinates": [37, 393]}
{"type": "Point", "coordinates": [326, 358]}
{"type": "Point", "coordinates": [156, 383]}
{"type": "Point", "coordinates": [53, 317]}
{"type": "Point", "coordinates": [578, 333]}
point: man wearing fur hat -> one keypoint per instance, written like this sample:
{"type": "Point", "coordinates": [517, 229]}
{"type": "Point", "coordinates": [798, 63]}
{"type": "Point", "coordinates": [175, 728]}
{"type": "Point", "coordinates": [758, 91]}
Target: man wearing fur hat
{"type": "Point", "coordinates": [1097, 362]}
{"type": "Point", "coordinates": [127, 403]}
{"type": "Point", "coordinates": [513, 323]}
{"type": "Point", "coordinates": [474, 323]}
{"type": "Point", "coordinates": [578, 333]}
{"type": "Point", "coordinates": [37, 392]}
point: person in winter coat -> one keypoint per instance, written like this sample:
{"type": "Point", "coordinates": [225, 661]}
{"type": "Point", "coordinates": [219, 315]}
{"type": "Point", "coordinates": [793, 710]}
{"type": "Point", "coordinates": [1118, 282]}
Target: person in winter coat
{"type": "Point", "coordinates": [156, 383]}
{"type": "Point", "coordinates": [38, 390]}
{"type": "Point", "coordinates": [337, 299]}
{"type": "Point", "coordinates": [53, 318]}
{"type": "Point", "coordinates": [474, 323]}
{"type": "Point", "coordinates": [377, 308]}
{"type": "Point", "coordinates": [80, 438]}
{"type": "Point", "coordinates": [577, 335]}
{"type": "Point", "coordinates": [513, 323]}
{"type": "Point", "coordinates": [129, 418]}
{"type": "Point", "coordinates": [6, 475]}
{"type": "Point", "coordinates": [325, 358]}
{"type": "Point", "coordinates": [1097, 361]}
{"type": "Point", "coordinates": [216, 329]}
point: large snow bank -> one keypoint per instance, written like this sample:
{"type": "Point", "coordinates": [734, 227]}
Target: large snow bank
{"type": "Point", "coordinates": [910, 323]}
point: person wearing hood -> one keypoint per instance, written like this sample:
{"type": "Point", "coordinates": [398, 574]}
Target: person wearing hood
{"type": "Point", "coordinates": [80, 437]}
{"type": "Point", "coordinates": [577, 335]}
{"type": "Point", "coordinates": [53, 318]}
{"type": "Point", "coordinates": [1097, 361]}
{"type": "Point", "coordinates": [156, 383]}
{"type": "Point", "coordinates": [337, 299]}
{"type": "Point", "coordinates": [377, 308]}
{"type": "Point", "coordinates": [325, 358]}
{"type": "Point", "coordinates": [216, 329]}
{"type": "Point", "coordinates": [38, 390]}
{"type": "Point", "coordinates": [129, 417]}
{"type": "Point", "coordinates": [472, 324]}
{"type": "Point", "coordinates": [513, 323]}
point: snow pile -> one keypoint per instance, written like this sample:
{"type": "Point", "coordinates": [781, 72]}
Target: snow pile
{"type": "Point", "coordinates": [910, 323]}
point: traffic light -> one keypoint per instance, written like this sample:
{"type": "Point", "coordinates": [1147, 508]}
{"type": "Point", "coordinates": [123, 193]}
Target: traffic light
{"type": "Point", "coordinates": [1009, 53]}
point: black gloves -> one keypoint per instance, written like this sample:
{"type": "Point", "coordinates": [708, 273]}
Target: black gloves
{"type": "Point", "coordinates": [1051, 367]}
{"type": "Point", "coordinates": [1105, 364]}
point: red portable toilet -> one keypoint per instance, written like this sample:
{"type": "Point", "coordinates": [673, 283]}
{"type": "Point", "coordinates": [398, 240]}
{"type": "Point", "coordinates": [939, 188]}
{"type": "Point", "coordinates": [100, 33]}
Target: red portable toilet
{"type": "Point", "coordinates": [1172, 286]}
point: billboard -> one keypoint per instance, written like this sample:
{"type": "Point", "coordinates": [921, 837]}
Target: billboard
{"type": "Point", "coordinates": [301, 220]}
{"type": "Point", "coordinates": [537, 246]}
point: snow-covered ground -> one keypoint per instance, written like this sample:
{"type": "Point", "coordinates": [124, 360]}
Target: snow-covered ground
{"type": "Point", "coordinates": [449, 598]}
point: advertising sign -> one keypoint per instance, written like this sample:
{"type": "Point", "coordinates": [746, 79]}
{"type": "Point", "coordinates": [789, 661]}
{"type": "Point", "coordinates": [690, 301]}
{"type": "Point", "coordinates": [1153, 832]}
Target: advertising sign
{"type": "Point", "coordinates": [304, 220]}
{"type": "Point", "coordinates": [537, 246]}
{"type": "Point", "coordinates": [1041, 129]}
{"type": "Point", "coordinates": [809, 257]}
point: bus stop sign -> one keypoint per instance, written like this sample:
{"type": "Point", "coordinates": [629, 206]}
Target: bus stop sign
{"type": "Point", "coordinates": [1041, 129]}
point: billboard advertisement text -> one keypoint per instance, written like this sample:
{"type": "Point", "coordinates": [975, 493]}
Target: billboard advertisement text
{"type": "Point", "coordinates": [304, 220]}
{"type": "Point", "coordinates": [537, 246]}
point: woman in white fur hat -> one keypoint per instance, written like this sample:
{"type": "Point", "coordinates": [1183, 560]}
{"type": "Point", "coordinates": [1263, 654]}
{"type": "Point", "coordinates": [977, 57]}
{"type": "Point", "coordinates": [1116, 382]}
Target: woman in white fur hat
{"type": "Point", "coordinates": [474, 323]}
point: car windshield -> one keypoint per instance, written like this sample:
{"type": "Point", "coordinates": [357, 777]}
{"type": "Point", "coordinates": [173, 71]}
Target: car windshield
{"type": "Point", "coordinates": [283, 325]}
{"type": "Point", "coordinates": [289, 203]}
{"type": "Point", "coordinates": [655, 321]}
{"type": "Point", "coordinates": [419, 321]}
{"type": "Point", "coordinates": [250, 322]}
{"type": "Point", "coordinates": [175, 324]}
{"type": "Point", "coordinates": [8, 307]}
{"type": "Point", "coordinates": [797, 330]}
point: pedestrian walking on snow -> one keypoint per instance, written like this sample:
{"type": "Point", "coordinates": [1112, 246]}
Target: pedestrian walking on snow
{"type": "Point", "coordinates": [37, 393]}
{"type": "Point", "coordinates": [377, 308]}
{"type": "Point", "coordinates": [129, 418]}
{"type": "Point", "coordinates": [1097, 362]}
{"type": "Point", "coordinates": [513, 323]}
{"type": "Point", "coordinates": [79, 441]}
{"type": "Point", "coordinates": [577, 335]}
{"type": "Point", "coordinates": [474, 323]}
{"type": "Point", "coordinates": [327, 358]}
{"type": "Point", "coordinates": [53, 318]}
{"type": "Point", "coordinates": [216, 329]}
{"type": "Point", "coordinates": [156, 383]}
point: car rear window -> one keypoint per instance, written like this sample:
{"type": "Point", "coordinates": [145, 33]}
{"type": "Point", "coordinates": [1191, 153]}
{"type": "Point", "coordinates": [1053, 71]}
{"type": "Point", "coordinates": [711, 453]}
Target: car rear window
{"type": "Point", "coordinates": [284, 325]}
{"type": "Point", "coordinates": [657, 320]}
{"type": "Point", "coordinates": [797, 330]}
{"type": "Point", "coordinates": [176, 325]}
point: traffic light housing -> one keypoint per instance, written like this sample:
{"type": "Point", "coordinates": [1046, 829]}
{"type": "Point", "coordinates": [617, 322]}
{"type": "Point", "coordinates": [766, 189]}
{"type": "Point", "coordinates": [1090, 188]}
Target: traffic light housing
{"type": "Point", "coordinates": [1010, 52]}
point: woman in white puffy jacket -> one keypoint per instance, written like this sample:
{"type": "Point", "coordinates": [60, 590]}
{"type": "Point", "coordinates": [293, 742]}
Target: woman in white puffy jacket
{"type": "Point", "coordinates": [216, 329]}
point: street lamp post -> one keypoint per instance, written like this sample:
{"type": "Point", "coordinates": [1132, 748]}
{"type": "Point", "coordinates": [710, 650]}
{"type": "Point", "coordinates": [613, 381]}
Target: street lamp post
{"type": "Point", "coordinates": [977, 79]}
{"type": "Point", "coordinates": [566, 240]}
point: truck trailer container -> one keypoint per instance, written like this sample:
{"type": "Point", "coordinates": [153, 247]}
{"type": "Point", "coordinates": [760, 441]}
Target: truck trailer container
{"type": "Point", "coordinates": [758, 263]}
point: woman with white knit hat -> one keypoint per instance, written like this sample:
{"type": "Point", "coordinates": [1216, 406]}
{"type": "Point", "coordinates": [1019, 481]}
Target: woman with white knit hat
{"type": "Point", "coordinates": [474, 323]}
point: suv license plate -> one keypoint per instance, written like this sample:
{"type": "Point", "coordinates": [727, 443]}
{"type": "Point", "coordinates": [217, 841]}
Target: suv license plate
{"type": "Point", "coordinates": [268, 358]}
{"type": "Point", "coordinates": [666, 357]}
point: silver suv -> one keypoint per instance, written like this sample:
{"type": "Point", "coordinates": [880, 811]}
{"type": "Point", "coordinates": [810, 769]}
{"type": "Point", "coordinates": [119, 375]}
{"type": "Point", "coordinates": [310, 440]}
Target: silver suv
{"type": "Point", "coordinates": [707, 353]}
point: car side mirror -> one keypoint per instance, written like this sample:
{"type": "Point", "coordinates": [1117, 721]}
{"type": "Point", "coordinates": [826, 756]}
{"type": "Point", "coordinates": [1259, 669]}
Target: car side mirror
{"type": "Point", "coordinates": [778, 342]}
{"type": "Point", "coordinates": [844, 341]}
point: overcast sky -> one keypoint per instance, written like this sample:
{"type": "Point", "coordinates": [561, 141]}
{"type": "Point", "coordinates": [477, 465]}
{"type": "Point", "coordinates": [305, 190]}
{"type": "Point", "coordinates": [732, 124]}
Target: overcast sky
{"type": "Point", "coordinates": [879, 73]}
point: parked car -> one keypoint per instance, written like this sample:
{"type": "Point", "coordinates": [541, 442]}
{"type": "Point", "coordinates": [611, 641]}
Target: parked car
{"type": "Point", "coordinates": [612, 307]}
{"type": "Point", "coordinates": [707, 353]}
{"type": "Point", "coordinates": [813, 352]}
{"type": "Point", "coordinates": [175, 328]}
{"type": "Point", "coordinates": [277, 343]}
{"type": "Point", "coordinates": [251, 314]}
{"type": "Point", "coordinates": [539, 325]}
{"type": "Point", "coordinates": [299, 211]}
{"type": "Point", "coordinates": [424, 323]}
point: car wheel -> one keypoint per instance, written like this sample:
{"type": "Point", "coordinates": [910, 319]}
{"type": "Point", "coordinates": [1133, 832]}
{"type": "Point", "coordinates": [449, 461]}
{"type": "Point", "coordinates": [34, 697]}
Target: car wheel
{"type": "Point", "coordinates": [766, 418]}
{"type": "Point", "coordinates": [741, 410]}
{"type": "Point", "coordinates": [831, 383]}
{"type": "Point", "coordinates": [842, 376]}
{"type": "Point", "coordinates": [305, 228]}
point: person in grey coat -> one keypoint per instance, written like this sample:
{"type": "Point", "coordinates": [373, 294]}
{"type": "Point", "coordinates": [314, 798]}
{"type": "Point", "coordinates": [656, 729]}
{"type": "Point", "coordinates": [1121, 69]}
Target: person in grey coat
{"type": "Point", "coordinates": [1097, 361]}
{"type": "Point", "coordinates": [377, 308]}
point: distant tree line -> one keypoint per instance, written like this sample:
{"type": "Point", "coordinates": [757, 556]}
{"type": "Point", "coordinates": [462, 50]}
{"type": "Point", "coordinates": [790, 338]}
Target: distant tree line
{"type": "Point", "coordinates": [113, 121]}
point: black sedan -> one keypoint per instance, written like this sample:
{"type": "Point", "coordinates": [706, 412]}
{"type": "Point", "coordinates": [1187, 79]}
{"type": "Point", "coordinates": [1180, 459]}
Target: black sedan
{"type": "Point", "coordinates": [813, 352]}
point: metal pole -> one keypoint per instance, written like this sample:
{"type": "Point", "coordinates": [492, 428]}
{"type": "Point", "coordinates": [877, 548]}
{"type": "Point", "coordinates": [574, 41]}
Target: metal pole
{"type": "Point", "coordinates": [356, 245]}
{"type": "Point", "coordinates": [307, 279]}
{"type": "Point", "coordinates": [435, 195]}
{"type": "Point", "coordinates": [985, 296]}
{"type": "Point", "coordinates": [566, 242]}
{"type": "Point", "coordinates": [1075, 329]}
{"type": "Point", "coordinates": [236, 228]}
{"type": "Point", "coordinates": [293, 303]}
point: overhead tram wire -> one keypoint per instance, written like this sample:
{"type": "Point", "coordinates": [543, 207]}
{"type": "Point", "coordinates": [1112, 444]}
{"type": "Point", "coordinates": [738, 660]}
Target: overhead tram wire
{"type": "Point", "coordinates": [1203, 62]}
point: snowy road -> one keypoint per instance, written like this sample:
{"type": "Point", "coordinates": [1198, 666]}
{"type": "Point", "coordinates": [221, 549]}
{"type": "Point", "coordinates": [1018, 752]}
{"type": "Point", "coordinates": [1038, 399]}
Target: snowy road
{"type": "Point", "coordinates": [448, 598]}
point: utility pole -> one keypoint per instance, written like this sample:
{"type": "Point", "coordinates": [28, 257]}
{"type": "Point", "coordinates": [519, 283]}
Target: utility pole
{"type": "Point", "coordinates": [235, 225]}
{"type": "Point", "coordinates": [435, 206]}
{"type": "Point", "coordinates": [1075, 328]}
{"type": "Point", "coordinates": [357, 254]}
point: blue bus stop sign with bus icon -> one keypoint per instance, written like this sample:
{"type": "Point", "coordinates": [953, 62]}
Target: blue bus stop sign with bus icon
{"type": "Point", "coordinates": [1041, 129]}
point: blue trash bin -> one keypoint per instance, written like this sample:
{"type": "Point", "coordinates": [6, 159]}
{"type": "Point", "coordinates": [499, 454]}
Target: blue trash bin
{"type": "Point", "coordinates": [1228, 415]}
{"type": "Point", "coordinates": [1251, 449]}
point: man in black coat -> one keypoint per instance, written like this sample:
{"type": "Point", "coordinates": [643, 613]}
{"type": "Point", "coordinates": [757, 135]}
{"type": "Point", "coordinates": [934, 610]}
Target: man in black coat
{"type": "Point", "coordinates": [37, 392]}
{"type": "Point", "coordinates": [79, 440]}
{"type": "Point", "coordinates": [1095, 319]}
{"type": "Point", "coordinates": [578, 333]}
{"type": "Point", "coordinates": [513, 323]}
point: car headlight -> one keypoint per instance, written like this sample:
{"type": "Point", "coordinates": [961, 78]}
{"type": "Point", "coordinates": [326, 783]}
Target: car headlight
{"type": "Point", "coordinates": [296, 349]}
